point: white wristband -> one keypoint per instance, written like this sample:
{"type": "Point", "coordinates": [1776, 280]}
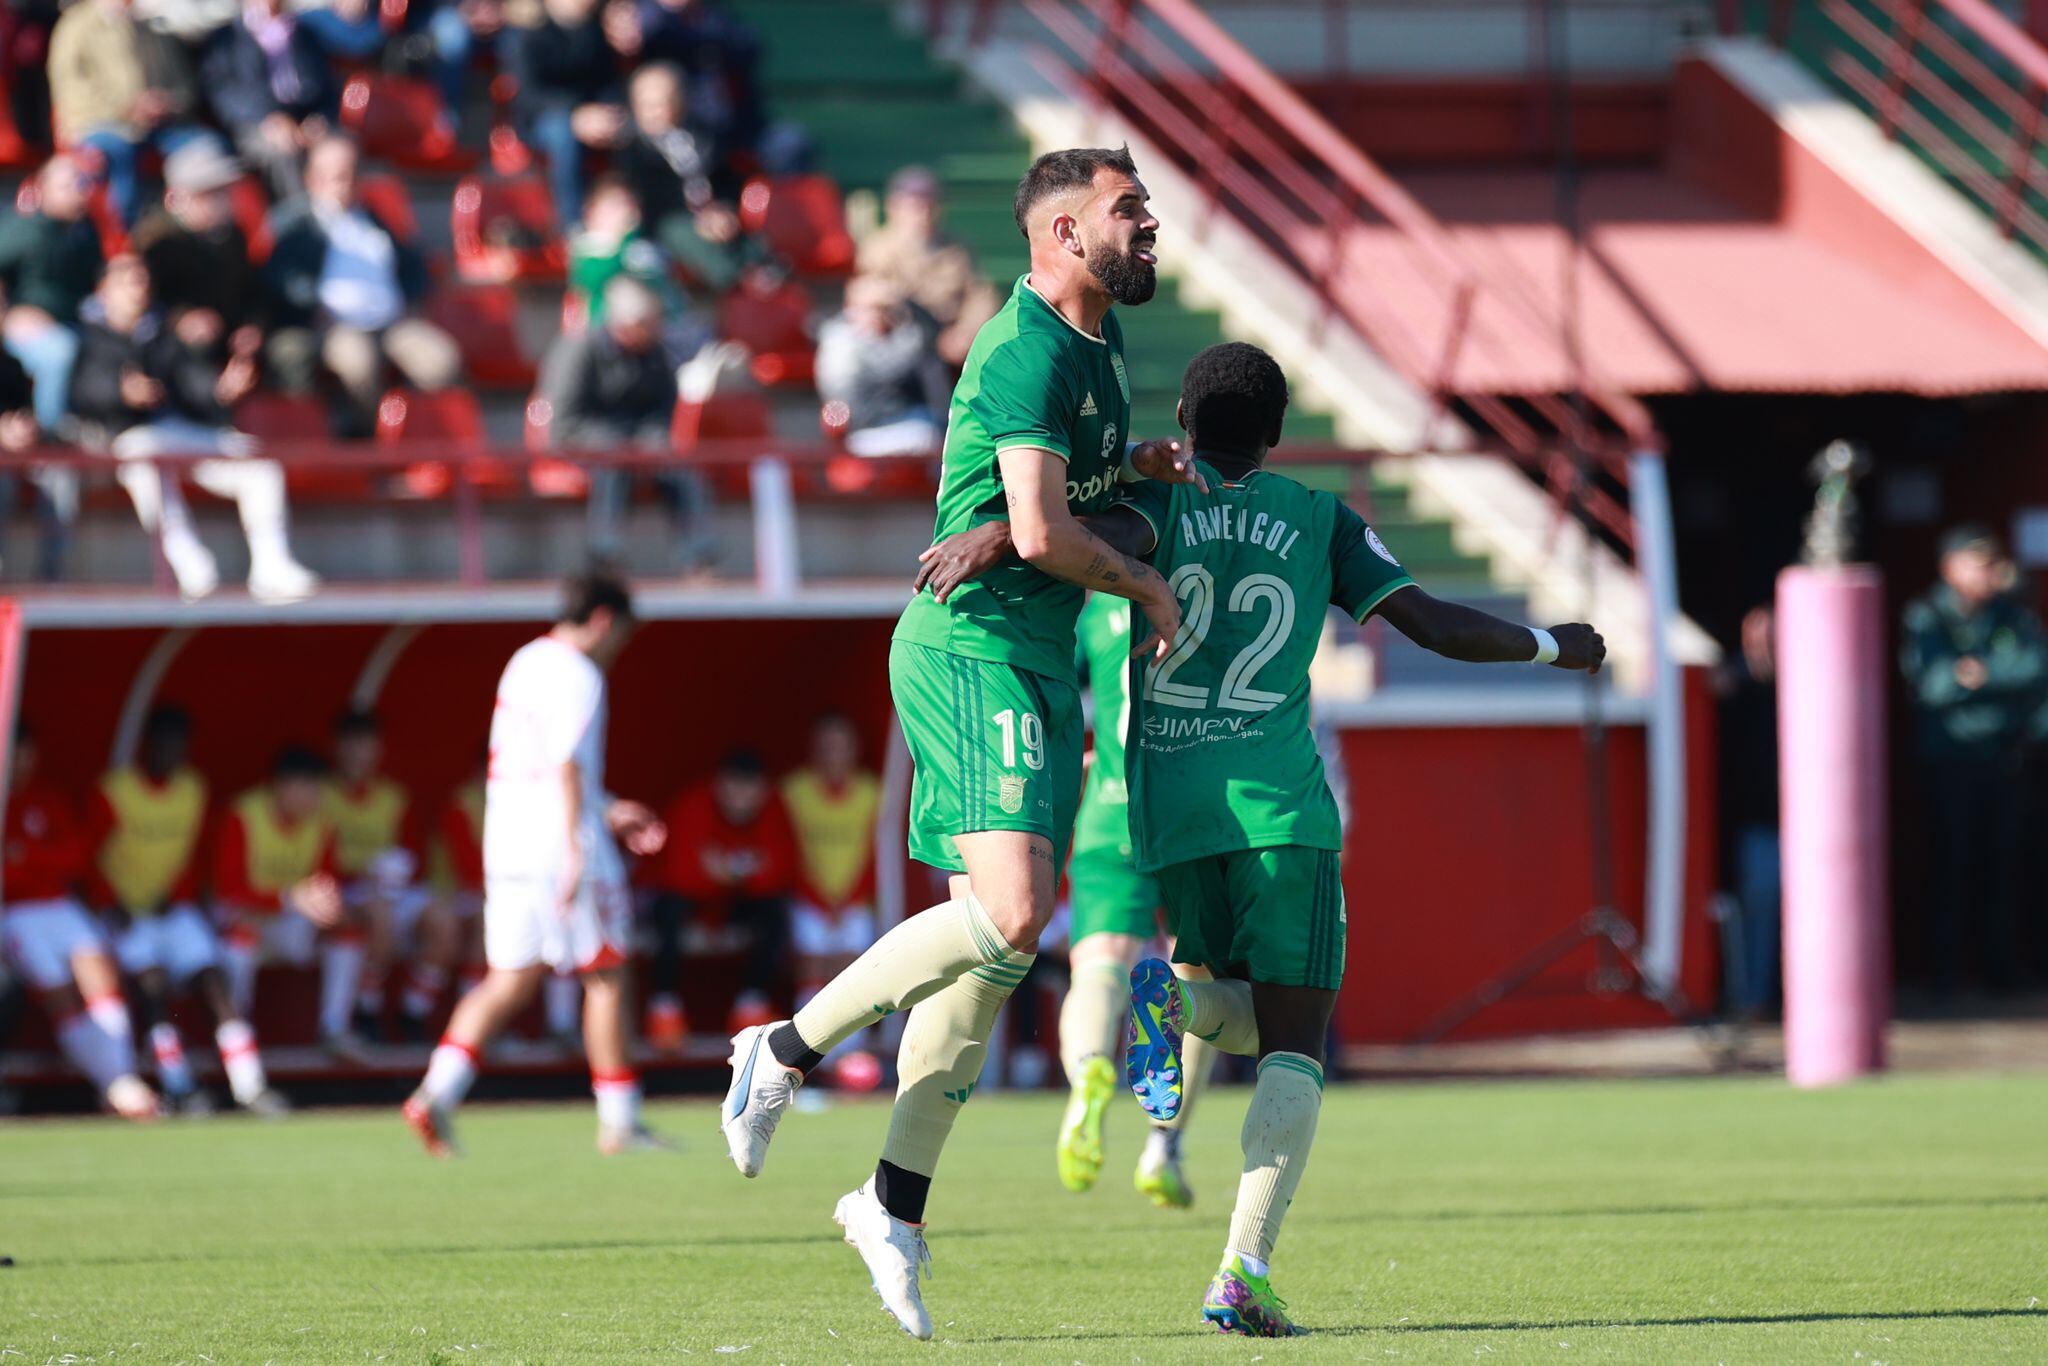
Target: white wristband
{"type": "Point", "coordinates": [1127, 473]}
{"type": "Point", "coordinates": [1546, 645]}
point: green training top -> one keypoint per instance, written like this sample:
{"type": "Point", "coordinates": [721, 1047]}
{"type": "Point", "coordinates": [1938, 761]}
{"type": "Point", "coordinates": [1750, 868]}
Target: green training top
{"type": "Point", "coordinates": [1221, 757]}
{"type": "Point", "coordinates": [1031, 379]}
{"type": "Point", "coordinates": [1104, 638]}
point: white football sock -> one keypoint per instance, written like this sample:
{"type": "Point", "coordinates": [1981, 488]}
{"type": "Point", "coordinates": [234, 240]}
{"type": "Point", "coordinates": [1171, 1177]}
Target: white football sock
{"type": "Point", "coordinates": [241, 1060]}
{"type": "Point", "coordinates": [449, 1073]}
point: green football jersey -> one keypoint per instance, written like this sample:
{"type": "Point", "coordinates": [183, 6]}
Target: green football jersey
{"type": "Point", "coordinates": [1220, 753]}
{"type": "Point", "coordinates": [1031, 379]}
{"type": "Point", "coordinates": [1104, 640]}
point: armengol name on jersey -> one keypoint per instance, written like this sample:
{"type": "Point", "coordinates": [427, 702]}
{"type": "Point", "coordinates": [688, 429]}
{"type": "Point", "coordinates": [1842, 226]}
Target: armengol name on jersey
{"type": "Point", "coordinates": [1237, 524]}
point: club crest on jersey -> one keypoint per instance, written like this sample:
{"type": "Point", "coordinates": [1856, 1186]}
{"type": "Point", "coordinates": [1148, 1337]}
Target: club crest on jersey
{"type": "Point", "coordinates": [1123, 380]}
{"type": "Point", "coordinates": [1372, 538]}
{"type": "Point", "coordinates": [1010, 793]}
{"type": "Point", "coordinates": [1088, 405]}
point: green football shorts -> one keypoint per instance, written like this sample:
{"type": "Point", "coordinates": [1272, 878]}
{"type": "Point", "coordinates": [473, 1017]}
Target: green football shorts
{"type": "Point", "coordinates": [995, 747]}
{"type": "Point", "coordinates": [1110, 895]}
{"type": "Point", "coordinates": [1268, 915]}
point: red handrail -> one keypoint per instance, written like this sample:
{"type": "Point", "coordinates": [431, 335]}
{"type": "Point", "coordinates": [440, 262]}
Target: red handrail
{"type": "Point", "coordinates": [1959, 83]}
{"type": "Point", "coordinates": [1260, 150]}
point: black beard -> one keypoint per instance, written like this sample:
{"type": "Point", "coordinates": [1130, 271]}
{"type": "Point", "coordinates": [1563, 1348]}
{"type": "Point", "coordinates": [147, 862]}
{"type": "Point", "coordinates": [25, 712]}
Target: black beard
{"type": "Point", "coordinates": [1123, 276]}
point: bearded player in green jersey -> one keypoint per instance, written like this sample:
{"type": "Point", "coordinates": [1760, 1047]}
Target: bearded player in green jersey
{"type": "Point", "coordinates": [985, 692]}
{"type": "Point", "coordinates": [1115, 916]}
{"type": "Point", "coordinates": [1229, 805]}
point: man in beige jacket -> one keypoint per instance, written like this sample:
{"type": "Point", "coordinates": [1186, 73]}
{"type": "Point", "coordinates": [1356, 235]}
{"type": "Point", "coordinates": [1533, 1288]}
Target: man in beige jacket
{"type": "Point", "coordinates": [117, 87]}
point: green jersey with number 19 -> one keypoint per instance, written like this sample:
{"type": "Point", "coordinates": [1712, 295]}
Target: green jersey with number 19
{"type": "Point", "coordinates": [1220, 756]}
{"type": "Point", "coordinates": [1031, 379]}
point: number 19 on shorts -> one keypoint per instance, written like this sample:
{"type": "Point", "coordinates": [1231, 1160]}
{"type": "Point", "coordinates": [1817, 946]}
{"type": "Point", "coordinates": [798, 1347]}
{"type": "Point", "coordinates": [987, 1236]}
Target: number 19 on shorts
{"type": "Point", "coordinates": [1025, 729]}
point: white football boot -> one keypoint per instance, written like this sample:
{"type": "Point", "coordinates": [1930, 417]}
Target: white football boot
{"type": "Point", "coordinates": [895, 1254]}
{"type": "Point", "coordinates": [761, 1091]}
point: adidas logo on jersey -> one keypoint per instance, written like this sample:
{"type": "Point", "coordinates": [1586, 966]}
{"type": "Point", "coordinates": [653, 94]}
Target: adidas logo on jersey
{"type": "Point", "coordinates": [1088, 405]}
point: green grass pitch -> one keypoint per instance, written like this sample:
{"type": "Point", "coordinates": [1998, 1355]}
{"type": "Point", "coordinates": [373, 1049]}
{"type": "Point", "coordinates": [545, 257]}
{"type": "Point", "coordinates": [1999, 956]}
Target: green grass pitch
{"type": "Point", "coordinates": [1673, 1221]}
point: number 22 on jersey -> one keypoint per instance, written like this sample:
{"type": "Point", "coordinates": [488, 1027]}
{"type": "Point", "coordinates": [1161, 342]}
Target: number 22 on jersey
{"type": "Point", "coordinates": [1195, 586]}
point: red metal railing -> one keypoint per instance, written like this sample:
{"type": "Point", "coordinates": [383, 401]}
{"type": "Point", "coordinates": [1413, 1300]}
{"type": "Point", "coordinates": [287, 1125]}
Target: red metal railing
{"type": "Point", "coordinates": [1957, 81]}
{"type": "Point", "coordinates": [476, 475]}
{"type": "Point", "coordinates": [1262, 154]}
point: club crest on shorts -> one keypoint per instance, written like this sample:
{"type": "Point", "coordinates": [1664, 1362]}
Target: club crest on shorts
{"type": "Point", "coordinates": [1010, 792]}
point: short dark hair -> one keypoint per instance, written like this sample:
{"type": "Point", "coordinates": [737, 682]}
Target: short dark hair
{"type": "Point", "coordinates": [743, 762]}
{"type": "Point", "coordinates": [357, 721]}
{"type": "Point", "coordinates": [598, 586]}
{"type": "Point", "coordinates": [166, 721]}
{"type": "Point", "coordinates": [1233, 398]}
{"type": "Point", "coordinates": [297, 761]}
{"type": "Point", "coordinates": [1057, 172]}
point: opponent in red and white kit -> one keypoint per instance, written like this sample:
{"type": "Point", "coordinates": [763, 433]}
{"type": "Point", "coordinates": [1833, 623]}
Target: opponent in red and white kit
{"type": "Point", "coordinates": [51, 941]}
{"type": "Point", "coordinates": [555, 891]}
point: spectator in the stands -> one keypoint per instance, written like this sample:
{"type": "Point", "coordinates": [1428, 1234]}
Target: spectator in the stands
{"type": "Point", "coordinates": [343, 291]}
{"type": "Point", "coordinates": [731, 863]}
{"type": "Point", "coordinates": [141, 393]}
{"type": "Point", "coordinates": [569, 94]}
{"type": "Point", "coordinates": [876, 357]}
{"type": "Point", "coordinates": [204, 281]}
{"type": "Point", "coordinates": [457, 30]}
{"type": "Point", "coordinates": [273, 87]}
{"type": "Point", "coordinates": [1976, 663]}
{"type": "Point", "coordinates": [613, 385]}
{"type": "Point", "coordinates": [608, 244]}
{"type": "Point", "coordinates": [913, 251]}
{"type": "Point", "coordinates": [119, 88]}
{"type": "Point", "coordinates": [716, 53]}
{"type": "Point", "coordinates": [832, 804]}
{"type": "Point", "coordinates": [680, 176]}
{"type": "Point", "coordinates": [50, 262]}
{"type": "Point", "coordinates": [347, 30]}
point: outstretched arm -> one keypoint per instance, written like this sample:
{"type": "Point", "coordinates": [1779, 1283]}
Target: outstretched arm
{"type": "Point", "coordinates": [1456, 631]}
{"type": "Point", "coordinates": [967, 555]}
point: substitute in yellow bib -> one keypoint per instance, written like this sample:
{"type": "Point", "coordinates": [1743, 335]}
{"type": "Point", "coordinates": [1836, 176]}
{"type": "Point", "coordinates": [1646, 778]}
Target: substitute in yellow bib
{"type": "Point", "coordinates": [274, 880]}
{"type": "Point", "coordinates": [146, 823]}
{"type": "Point", "coordinates": [377, 855]}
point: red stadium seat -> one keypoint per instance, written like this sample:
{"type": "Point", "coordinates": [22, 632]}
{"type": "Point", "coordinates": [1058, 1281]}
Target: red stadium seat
{"type": "Point", "coordinates": [505, 230]}
{"type": "Point", "coordinates": [803, 219]}
{"type": "Point", "coordinates": [282, 417]}
{"type": "Point", "coordinates": [400, 119]}
{"type": "Point", "coordinates": [299, 418]}
{"type": "Point", "coordinates": [550, 478]}
{"type": "Point", "coordinates": [771, 319]}
{"type": "Point", "coordinates": [722, 417]}
{"type": "Point", "coordinates": [15, 153]}
{"type": "Point", "coordinates": [407, 417]}
{"type": "Point", "coordinates": [251, 209]}
{"type": "Point", "coordinates": [384, 196]}
{"type": "Point", "coordinates": [509, 155]}
{"type": "Point", "coordinates": [483, 319]}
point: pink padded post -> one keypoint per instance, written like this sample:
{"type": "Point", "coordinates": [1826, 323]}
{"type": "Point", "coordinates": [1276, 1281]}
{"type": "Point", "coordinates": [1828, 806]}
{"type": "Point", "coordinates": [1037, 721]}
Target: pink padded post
{"type": "Point", "coordinates": [1831, 773]}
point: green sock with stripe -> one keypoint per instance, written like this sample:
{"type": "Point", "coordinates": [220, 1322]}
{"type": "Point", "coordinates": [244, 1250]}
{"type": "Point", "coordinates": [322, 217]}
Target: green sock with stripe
{"type": "Point", "coordinates": [919, 957]}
